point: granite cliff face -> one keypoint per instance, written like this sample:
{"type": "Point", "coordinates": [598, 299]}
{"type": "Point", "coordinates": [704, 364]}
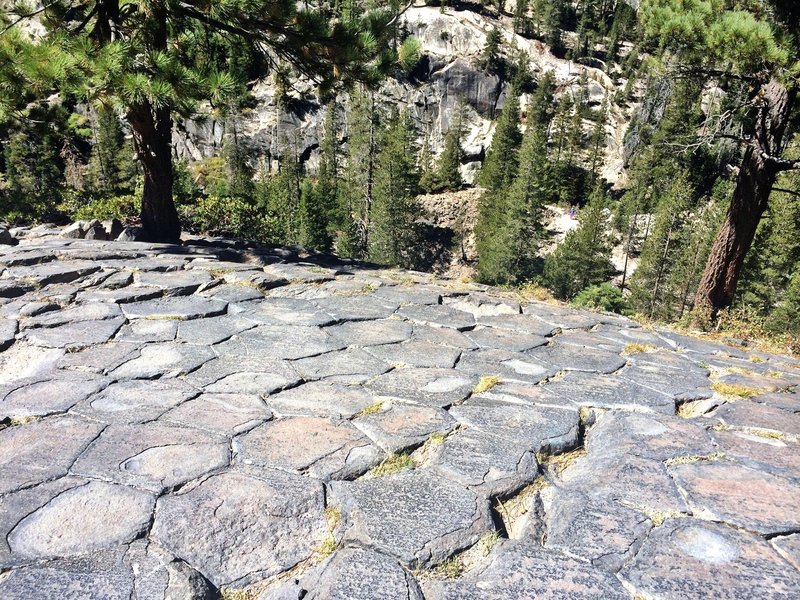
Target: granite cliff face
{"type": "Point", "coordinates": [452, 42]}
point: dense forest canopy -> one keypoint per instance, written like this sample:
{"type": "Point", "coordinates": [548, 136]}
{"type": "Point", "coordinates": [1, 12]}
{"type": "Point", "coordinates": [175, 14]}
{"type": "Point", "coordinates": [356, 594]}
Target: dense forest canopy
{"type": "Point", "coordinates": [704, 216]}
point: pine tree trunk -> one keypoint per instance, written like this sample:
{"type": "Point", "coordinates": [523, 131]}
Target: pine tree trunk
{"type": "Point", "coordinates": [756, 178]}
{"type": "Point", "coordinates": [152, 137]}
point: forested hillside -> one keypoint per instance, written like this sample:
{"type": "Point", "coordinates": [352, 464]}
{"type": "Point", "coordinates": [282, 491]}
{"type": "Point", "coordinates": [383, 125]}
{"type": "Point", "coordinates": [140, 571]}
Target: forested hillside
{"type": "Point", "coordinates": [669, 128]}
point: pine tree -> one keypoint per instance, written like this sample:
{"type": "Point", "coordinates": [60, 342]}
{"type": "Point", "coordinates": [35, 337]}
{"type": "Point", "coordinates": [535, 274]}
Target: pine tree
{"type": "Point", "coordinates": [445, 176]}
{"type": "Point", "coordinates": [501, 161]}
{"type": "Point", "coordinates": [356, 193]}
{"type": "Point", "coordinates": [240, 174]}
{"type": "Point", "coordinates": [313, 229]}
{"type": "Point", "coordinates": [496, 176]}
{"type": "Point", "coordinates": [754, 41]}
{"type": "Point", "coordinates": [396, 234]}
{"type": "Point", "coordinates": [143, 57]}
{"type": "Point", "coordinates": [526, 199]}
{"type": "Point", "coordinates": [597, 145]}
{"type": "Point", "coordinates": [651, 292]}
{"type": "Point", "coordinates": [584, 258]}
{"type": "Point", "coordinates": [327, 186]}
{"type": "Point", "coordinates": [768, 273]}
{"type": "Point", "coordinates": [110, 171]}
{"type": "Point", "coordinates": [522, 22]}
{"type": "Point", "coordinates": [540, 110]}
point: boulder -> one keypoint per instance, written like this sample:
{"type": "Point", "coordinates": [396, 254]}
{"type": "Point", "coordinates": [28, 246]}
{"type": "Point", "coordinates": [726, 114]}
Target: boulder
{"type": "Point", "coordinates": [96, 232]}
{"type": "Point", "coordinates": [6, 238]}
{"type": "Point", "coordinates": [75, 231]}
{"type": "Point", "coordinates": [113, 228]}
{"type": "Point", "coordinates": [131, 234]}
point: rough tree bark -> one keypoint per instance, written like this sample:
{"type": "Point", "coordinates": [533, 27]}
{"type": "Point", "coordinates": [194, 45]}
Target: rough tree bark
{"type": "Point", "coordinates": [152, 138]}
{"type": "Point", "coordinates": [757, 174]}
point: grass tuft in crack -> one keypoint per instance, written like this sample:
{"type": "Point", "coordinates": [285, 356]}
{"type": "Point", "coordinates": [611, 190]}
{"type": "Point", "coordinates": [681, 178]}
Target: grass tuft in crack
{"type": "Point", "coordinates": [735, 390]}
{"type": "Point", "coordinates": [486, 383]}
{"type": "Point", "coordinates": [392, 464]}
{"type": "Point", "coordinates": [637, 348]}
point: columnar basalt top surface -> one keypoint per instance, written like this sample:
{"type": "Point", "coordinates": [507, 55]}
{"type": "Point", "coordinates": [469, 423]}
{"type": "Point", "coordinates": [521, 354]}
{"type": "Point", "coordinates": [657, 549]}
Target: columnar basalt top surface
{"type": "Point", "coordinates": [206, 421]}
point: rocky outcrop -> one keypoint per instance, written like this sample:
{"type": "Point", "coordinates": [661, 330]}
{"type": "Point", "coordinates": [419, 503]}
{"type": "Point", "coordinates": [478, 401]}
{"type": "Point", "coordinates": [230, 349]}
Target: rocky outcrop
{"type": "Point", "coordinates": [452, 41]}
{"type": "Point", "coordinates": [198, 422]}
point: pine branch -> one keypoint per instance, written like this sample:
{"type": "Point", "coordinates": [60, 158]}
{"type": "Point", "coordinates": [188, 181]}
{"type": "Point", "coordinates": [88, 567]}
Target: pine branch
{"type": "Point", "coordinates": [783, 164]}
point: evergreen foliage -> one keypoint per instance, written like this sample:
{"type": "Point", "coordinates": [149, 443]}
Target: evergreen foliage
{"type": "Point", "coordinates": [396, 235]}
{"type": "Point", "coordinates": [584, 258]}
{"type": "Point", "coordinates": [445, 176]}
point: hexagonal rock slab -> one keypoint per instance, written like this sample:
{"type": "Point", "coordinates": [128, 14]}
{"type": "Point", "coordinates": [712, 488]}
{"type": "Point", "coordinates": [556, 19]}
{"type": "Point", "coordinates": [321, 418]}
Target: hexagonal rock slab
{"type": "Point", "coordinates": [138, 570]}
{"type": "Point", "coordinates": [181, 308]}
{"type": "Point", "coordinates": [239, 527]}
{"type": "Point", "coordinates": [417, 353]}
{"type": "Point", "coordinates": [759, 452]}
{"type": "Point", "coordinates": [660, 437]}
{"type": "Point", "coordinates": [575, 358]}
{"type": "Point", "coordinates": [521, 570]}
{"type": "Point", "coordinates": [358, 574]}
{"type": "Point", "coordinates": [438, 316]}
{"type": "Point", "coordinates": [596, 529]}
{"type": "Point", "coordinates": [287, 311]}
{"type": "Point", "coordinates": [243, 374]}
{"type": "Point", "coordinates": [85, 518]}
{"type": "Point", "coordinates": [536, 428]}
{"type": "Point", "coordinates": [357, 308]}
{"type": "Point", "coordinates": [348, 366]}
{"type": "Point", "coordinates": [443, 336]}
{"type": "Point", "coordinates": [22, 362]}
{"type": "Point", "coordinates": [50, 396]}
{"type": "Point", "coordinates": [155, 456]}
{"type": "Point", "coordinates": [74, 336]}
{"type": "Point", "coordinates": [146, 330]}
{"type": "Point", "coordinates": [638, 483]}
{"type": "Point", "coordinates": [589, 389]}
{"type": "Point", "coordinates": [55, 272]}
{"type": "Point", "coordinates": [371, 333]}
{"type": "Point", "coordinates": [224, 414]}
{"type": "Point", "coordinates": [519, 323]}
{"type": "Point", "coordinates": [99, 359]}
{"type": "Point", "coordinates": [212, 330]}
{"type": "Point", "coordinates": [433, 387]}
{"type": "Point", "coordinates": [503, 339]}
{"type": "Point", "coordinates": [164, 360]}
{"type": "Point", "coordinates": [685, 384]}
{"type": "Point", "coordinates": [135, 401]}
{"type": "Point", "coordinates": [693, 559]}
{"type": "Point", "coordinates": [510, 366]}
{"type": "Point", "coordinates": [321, 399]}
{"type": "Point", "coordinates": [42, 450]}
{"type": "Point", "coordinates": [751, 415]}
{"type": "Point", "coordinates": [176, 283]}
{"type": "Point", "coordinates": [744, 497]}
{"type": "Point", "coordinates": [400, 426]}
{"type": "Point", "coordinates": [323, 448]}
{"type": "Point", "coordinates": [414, 515]}
{"type": "Point", "coordinates": [95, 311]}
{"type": "Point", "coordinates": [288, 342]}
{"type": "Point", "coordinates": [492, 465]}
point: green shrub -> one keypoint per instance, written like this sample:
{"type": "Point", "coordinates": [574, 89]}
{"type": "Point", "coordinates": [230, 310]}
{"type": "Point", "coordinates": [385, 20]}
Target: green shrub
{"type": "Point", "coordinates": [234, 217]}
{"type": "Point", "coordinates": [115, 207]}
{"type": "Point", "coordinates": [605, 297]}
